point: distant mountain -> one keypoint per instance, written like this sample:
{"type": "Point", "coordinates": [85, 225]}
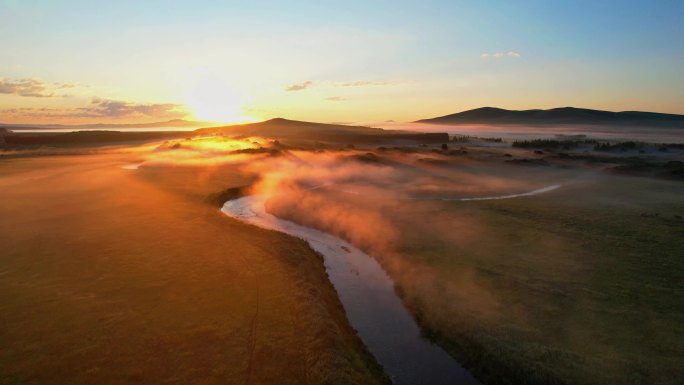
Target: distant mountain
{"type": "Point", "coordinates": [280, 128]}
{"type": "Point", "coordinates": [564, 115]}
{"type": "Point", "coordinates": [175, 123]}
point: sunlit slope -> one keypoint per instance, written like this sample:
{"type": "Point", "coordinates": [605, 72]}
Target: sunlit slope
{"type": "Point", "coordinates": [292, 129]}
{"type": "Point", "coordinates": [111, 276]}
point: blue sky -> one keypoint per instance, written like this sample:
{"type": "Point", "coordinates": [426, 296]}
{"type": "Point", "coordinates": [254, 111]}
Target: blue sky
{"type": "Point", "coordinates": [360, 60]}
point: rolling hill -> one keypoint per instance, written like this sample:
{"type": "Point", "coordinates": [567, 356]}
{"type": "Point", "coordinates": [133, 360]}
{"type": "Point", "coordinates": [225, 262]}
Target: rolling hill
{"type": "Point", "coordinates": [564, 115]}
{"type": "Point", "coordinates": [280, 128]}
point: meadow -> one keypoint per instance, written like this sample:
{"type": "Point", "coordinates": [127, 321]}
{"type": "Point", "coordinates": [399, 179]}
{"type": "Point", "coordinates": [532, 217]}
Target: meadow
{"type": "Point", "coordinates": [579, 285]}
{"type": "Point", "coordinates": [112, 276]}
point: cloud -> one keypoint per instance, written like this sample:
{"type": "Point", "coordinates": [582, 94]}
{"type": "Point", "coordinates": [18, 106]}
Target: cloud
{"type": "Point", "coordinates": [103, 108]}
{"type": "Point", "coordinates": [65, 85]}
{"type": "Point", "coordinates": [300, 86]}
{"type": "Point", "coordinates": [499, 55]}
{"type": "Point", "coordinates": [335, 98]}
{"type": "Point", "coordinates": [118, 109]}
{"type": "Point", "coordinates": [35, 88]}
{"type": "Point", "coordinates": [361, 83]}
{"type": "Point", "coordinates": [355, 83]}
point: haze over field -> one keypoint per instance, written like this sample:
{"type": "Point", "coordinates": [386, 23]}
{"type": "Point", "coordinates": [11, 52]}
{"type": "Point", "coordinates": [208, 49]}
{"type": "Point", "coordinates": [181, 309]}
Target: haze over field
{"type": "Point", "coordinates": [317, 192]}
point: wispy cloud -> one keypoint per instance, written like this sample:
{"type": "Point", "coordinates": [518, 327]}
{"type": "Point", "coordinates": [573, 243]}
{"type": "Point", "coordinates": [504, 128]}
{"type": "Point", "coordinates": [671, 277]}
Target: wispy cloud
{"type": "Point", "coordinates": [334, 98]}
{"type": "Point", "coordinates": [103, 108]}
{"type": "Point", "coordinates": [499, 55]}
{"type": "Point", "coordinates": [118, 108]}
{"type": "Point", "coordinates": [300, 86]}
{"type": "Point", "coordinates": [330, 83]}
{"type": "Point", "coordinates": [362, 83]}
{"type": "Point", "coordinates": [35, 88]}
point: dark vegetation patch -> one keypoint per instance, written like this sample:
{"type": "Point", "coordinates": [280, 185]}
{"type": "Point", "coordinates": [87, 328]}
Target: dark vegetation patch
{"type": "Point", "coordinates": [221, 197]}
{"type": "Point", "coordinates": [469, 138]}
{"type": "Point", "coordinates": [404, 150]}
{"type": "Point", "coordinates": [260, 150]}
{"type": "Point", "coordinates": [669, 170]}
{"type": "Point", "coordinates": [367, 157]}
{"type": "Point", "coordinates": [461, 151]}
{"type": "Point", "coordinates": [434, 161]}
{"type": "Point", "coordinates": [636, 145]}
{"type": "Point", "coordinates": [528, 162]}
{"type": "Point", "coordinates": [553, 143]}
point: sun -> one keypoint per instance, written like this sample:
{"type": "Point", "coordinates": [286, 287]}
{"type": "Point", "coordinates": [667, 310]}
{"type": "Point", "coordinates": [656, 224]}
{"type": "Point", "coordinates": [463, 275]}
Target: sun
{"type": "Point", "coordinates": [216, 101]}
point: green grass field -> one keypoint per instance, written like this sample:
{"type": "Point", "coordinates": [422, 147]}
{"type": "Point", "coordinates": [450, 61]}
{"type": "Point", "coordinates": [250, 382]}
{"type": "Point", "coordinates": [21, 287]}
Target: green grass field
{"type": "Point", "coordinates": [579, 286]}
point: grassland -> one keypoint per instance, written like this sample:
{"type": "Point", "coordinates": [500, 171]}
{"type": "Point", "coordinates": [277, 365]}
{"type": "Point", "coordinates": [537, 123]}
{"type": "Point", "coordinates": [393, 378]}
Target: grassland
{"type": "Point", "coordinates": [113, 276]}
{"type": "Point", "coordinates": [117, 276]}
{"type": "Point", "coordinates": [579, 286]}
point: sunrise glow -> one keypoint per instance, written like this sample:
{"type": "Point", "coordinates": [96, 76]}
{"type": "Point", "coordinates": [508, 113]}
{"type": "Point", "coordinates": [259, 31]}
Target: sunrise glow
{"type": "Point", "coordinates": [241, 61]}
{"type": "Point", "coordinates": [214, 100]}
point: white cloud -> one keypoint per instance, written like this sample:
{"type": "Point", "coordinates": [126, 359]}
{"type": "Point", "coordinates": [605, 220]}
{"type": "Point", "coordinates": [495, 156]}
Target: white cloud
{"type": "Point", "coordinates": [354, 83]}
{"type": "Point", "coordinates": [499, 55]}
{"type": "Point", "coordinates": [362, 83]}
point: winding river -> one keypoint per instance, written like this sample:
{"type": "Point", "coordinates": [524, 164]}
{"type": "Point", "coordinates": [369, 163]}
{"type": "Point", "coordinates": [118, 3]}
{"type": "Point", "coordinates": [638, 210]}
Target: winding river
{"type": "Point", "coordinates": [373, 308]}
{"type": "Point", "coordinates": [367, 293]}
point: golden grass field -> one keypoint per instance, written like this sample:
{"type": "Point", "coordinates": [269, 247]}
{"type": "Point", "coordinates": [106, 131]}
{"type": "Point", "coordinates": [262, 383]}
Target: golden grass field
{"type": "Point", "coordinates": [112, 276]}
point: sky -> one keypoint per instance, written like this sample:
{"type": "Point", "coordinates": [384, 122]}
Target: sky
{"type": "Point", "coordinates": [126, 61]}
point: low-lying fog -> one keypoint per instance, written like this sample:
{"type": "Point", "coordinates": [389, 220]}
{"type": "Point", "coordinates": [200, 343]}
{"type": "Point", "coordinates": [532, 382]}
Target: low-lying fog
{"type": "Point", "coordinates": [523, 132]}
{"type": "Point", "coordinates": [517, 276]}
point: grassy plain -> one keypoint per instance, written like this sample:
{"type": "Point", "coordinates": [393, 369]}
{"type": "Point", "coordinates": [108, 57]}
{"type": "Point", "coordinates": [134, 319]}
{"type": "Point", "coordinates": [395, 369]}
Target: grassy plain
{"type": "Point", "coordinates": [114, 276]}
{"type": "Point", "coordinates": [578, 286]}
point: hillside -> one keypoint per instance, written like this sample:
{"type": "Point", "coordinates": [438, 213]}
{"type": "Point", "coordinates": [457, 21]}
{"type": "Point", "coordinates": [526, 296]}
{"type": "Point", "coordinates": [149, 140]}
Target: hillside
{"type": "Point", "coordinates": [564, 115]}
{"type": "Point", "coordinates": [280, 128]}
